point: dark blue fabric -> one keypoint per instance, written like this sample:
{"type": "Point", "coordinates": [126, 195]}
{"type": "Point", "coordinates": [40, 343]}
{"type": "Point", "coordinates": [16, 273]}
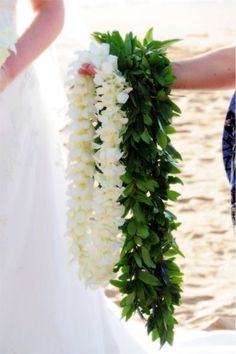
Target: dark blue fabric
{"type": "Point", "coordinates": [229, 147]}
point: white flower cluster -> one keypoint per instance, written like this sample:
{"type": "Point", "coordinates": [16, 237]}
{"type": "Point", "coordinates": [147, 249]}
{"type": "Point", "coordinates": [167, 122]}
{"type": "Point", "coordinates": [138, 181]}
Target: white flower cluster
{"type": "Point", "coordinates": [7, 34]}
{"type": "Point", "coordinates": [94, 168]}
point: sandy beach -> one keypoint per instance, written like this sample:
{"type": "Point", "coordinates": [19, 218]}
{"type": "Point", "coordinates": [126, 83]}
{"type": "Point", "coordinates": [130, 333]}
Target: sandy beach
{"type": "Point", "coordinates": [206, 235]}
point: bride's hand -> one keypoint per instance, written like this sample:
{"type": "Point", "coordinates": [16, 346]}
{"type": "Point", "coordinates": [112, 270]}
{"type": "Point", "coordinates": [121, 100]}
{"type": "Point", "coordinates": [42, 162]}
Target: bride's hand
{"type": "Point", "coordinates": [4, 78]}
{"type": "Point", "coordinates": [87, 69]}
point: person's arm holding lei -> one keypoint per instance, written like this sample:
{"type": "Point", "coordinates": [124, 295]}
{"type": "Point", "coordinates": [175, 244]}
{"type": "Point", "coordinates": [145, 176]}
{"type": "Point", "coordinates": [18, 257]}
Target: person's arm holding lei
{"type": "Point", "coordinates": [42, 32]}
{"type": "Point", "coordinates": [211, 71]}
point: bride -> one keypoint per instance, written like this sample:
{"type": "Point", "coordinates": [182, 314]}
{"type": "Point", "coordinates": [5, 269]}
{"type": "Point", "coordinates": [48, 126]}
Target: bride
{"type": "Point", "coordinates": [44, 308]}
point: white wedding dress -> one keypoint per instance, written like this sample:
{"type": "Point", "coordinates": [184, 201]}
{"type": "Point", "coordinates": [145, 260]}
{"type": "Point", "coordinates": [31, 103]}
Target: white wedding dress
{"type": "Point", "coordinates": [44, 308]}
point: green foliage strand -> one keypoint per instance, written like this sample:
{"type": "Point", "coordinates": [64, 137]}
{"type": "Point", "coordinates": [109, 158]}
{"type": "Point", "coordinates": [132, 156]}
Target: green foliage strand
{"type": "Point", "coordinates": [148, 276]}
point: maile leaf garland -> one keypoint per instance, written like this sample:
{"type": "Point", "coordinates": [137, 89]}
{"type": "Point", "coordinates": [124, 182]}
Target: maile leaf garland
{"type": "Point", "coordinates": [120, 169]}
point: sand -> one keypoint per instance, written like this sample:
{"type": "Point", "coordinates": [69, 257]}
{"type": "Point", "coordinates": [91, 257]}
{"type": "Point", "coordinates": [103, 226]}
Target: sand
{"type": "Point", "coordinates": [206, 235]}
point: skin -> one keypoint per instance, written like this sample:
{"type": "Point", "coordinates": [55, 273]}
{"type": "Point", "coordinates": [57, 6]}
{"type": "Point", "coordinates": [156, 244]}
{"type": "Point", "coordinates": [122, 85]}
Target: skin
{"type": "Point", "coordinates": [46, 26]}
{"type": "Point", "coordinates": [211, 71]}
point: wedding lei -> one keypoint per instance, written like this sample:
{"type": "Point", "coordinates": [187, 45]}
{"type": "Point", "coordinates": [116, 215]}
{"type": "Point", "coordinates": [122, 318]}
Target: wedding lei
{"type": "Point", "coordinates": [121, 166]}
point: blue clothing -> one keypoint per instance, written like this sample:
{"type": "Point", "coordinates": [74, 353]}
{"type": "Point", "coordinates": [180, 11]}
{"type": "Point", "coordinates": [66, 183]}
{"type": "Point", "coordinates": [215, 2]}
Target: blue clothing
{"type": "Point", "coordinates": [229, 147]}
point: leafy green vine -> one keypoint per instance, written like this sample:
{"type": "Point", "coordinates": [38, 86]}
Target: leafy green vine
{"type": "Point", "coordinates": [148, 276]}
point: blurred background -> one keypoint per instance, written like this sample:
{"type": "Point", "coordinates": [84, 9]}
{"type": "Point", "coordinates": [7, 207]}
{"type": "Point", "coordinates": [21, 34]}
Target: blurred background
{"type": "Point", "coordinates": [206, 235]}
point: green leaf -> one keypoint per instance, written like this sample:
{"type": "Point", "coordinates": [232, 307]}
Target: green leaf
{"type": "Point", "coordinates": [173, 152]}
{"type": "Point", "coordinates": [123, 302]}
{"type": "Point", "coordinates": [174, 168]}
{"type": "Point", "coordinates": [161, 44]}
{"type": "Point", "coordinates": [131, 228]}
{"type": "Point", "coordinates": [145, 136]}
{"type": "Point", "coordinates": [142, 231]}
{"type": "Point", "coordinates": [153, 239]}
{"type": "Point", "coordinates": [129, 313]}
{"type": "Point", "coordinates": [162, 139]}
{"type": "Point", "coordinates": [122, 63]}
{"type": "Point", "coordinates": [169, 318]}
{"type": "Point", "coordinates": [175, 107]}
{"type": "Point", "coordinates": [125, 269]}
{"type": "Point", "coordinates": [117, 283]}
{"type": "Point", "coordinates": [176, 248]}
{"type": "Point", "coordinates": [174, 180]}
{"type": "Point", "coordinates": [147, 120]}
{"type": "Point", "coordinates": [147, 258]}
{"type": "Point", "coordinates": [116, 37]}
{"type": "Point", "coordinates": [128, 300]}
{"type": "Point", "coordinates": [126, 178]}
{"type": "Point", "coordinates": [136, 137]}
{"type": "Point", "coordinates": [169, 215]}
{"type": "Point", "coordinates": [138, 240]}
{"type": "Point", "coordinates": [138, 260]}
{"type": "Point", "coordinates": [99, 37]}
{"type": "Point", "coordinates": [170, 253]}
{"type": "Point", "coordinates": [170, 337]}
{"type": "Point", "coordinates": [128, 246]}
{"type": "Point", "coordinates": [154, 58]}
{"type": "Point", "coordinates": [165, 111]}
{"type": "Point", "coordinates": [143, 199]}
{"type": "Point", "coordinates": [155, 334]}
{"type": "Point", "coordinates": [165, 77]}
{"type": "Point", "coordinates": [165, 275]}
{"type": "Point", "coordinates": [128, 44]}
{"type": "Point", "coordinates": [151, 185]}
{"type": "Point", "coordinates": [142, 186]}
{"type": "Point", "coordinates": [148, 278]}
{"type": "Point", "coordinates": [170, 129]}
{"type": "Point", "coordinates": [177, 280]}
{"type": "Point", "coordinates": [129, 189]}
{"type": "Point", "coordinates": [173, 195]}
{"type": "Point", "coordinates": [145, 63]}
{"type": "Point", "coordinates": [162, 95]}
{"type": "Point", "coordinates": [149, 36]}
{"type": "Point", "coordinates": [124, 277]}
{"type": "Point", "coordinates": [138, 213]}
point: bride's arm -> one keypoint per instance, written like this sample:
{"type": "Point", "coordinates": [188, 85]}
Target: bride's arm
{"type": "Point", "coordinates": [41, 33]}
